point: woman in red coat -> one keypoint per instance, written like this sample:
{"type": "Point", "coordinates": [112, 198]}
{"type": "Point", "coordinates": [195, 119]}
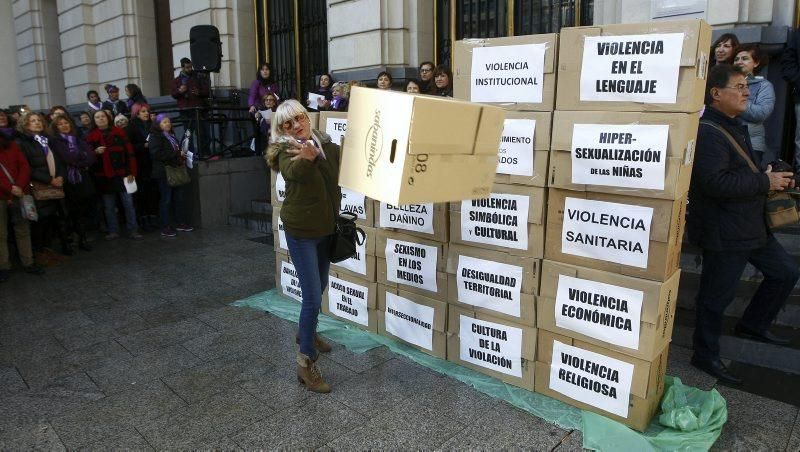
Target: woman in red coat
{"type": "Point", "coordinates": [12, 187]}
{"type": "Point", "coordinates": [116, 160]}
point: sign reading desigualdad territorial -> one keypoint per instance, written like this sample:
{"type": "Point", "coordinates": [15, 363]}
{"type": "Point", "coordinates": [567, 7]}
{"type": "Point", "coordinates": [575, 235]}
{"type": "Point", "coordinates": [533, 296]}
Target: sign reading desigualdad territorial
{"type": "Point", "coordinates": [491, 285]}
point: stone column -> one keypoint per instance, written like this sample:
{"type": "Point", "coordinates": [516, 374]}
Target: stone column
{"type": "Point", "coordinates": [10, 93]}
{"type": "Point", "coordinates": [38, 53]}
{"type": "Point", "coordinates": [368, 36]}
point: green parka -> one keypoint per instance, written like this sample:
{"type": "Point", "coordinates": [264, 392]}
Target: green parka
{"type": "Point", "coordinates": [312, 188]}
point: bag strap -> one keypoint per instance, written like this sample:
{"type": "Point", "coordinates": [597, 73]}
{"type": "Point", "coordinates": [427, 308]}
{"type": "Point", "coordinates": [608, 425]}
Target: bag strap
{"type": "Point", "coordinates": [8, 175]}
{"type": "Point", "coordinates": [736, 145]}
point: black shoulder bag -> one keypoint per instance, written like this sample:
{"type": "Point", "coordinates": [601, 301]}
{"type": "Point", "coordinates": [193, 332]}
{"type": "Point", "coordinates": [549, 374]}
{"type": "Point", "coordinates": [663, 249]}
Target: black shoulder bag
{"type": "Point", "coordinates": [346, 234]}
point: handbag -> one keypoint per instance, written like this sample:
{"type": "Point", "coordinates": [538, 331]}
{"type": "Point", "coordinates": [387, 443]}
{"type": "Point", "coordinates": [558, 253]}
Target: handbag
{"type": "Point", "coordinates": [46, 192]}
{"type": "Point", "coordinates": [781, 209]}
{"type": "Point", "coordinates": [345, 237]}
{"type": "Point", "coordinates": [27, 204]}
{"type": "Point", "coordinates": [177, 175]}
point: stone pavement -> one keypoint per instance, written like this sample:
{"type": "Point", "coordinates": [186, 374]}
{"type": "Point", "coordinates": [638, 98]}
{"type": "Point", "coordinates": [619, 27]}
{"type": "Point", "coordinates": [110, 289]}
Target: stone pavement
{"type": "Point", "coordinates": [134, 346]}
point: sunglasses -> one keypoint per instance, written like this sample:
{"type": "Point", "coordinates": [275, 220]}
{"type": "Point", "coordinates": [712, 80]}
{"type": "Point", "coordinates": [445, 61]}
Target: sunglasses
{"type": "Point", "coordinates": [298, 119]}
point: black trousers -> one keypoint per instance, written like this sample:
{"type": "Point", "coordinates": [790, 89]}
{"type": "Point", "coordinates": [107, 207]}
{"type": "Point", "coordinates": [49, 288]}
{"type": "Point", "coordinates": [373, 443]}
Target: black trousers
{"type": "Point", "coordinates": [721, 273]}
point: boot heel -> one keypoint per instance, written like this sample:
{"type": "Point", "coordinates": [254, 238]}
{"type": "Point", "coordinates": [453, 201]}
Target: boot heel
{"type": "Point", "coordinates": [300, 380]}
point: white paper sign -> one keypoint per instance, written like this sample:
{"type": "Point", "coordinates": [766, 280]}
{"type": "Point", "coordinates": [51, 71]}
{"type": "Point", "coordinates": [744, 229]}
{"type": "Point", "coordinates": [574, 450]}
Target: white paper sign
{"type": "Point", "coordinates": [632, 68]}
{"type": "Point", "coordinates": [412, 264]}
{"type": "Point", "coordinates": [266, 115]}
{"type": "Point", "coordinates": [501, 220]}
{"type": "Point", "coordinates": [607, 231]}
{"type": "Point", "coordinates": [508, 73]}
{"type": "Point", "coordinates": [409, 321]}
{"type": "Point", "coordinates": [354, 202]}
{"type": "Point", "coordinates": [280, 187]}
{"type": "Point", "coordinates": [597, 380]}
{"type": "Point", "coordinates": [491, 345]}
{"type": "Point", "coordinates": [336, 128]}
{"type": "Point", "coordinates": [491, 285]}
{"type": "Point", "coordinates": [358, 263]}
{"type": "Point", "coordinates": [413, 217]}
{"type": "Point", "coordinates": [282, 235]}
{"type": "Point", "coordinates": [290, 284]}
{"type": "Point", "coordinates": [130, 187]}
{"type": "Point", "coordinates": [516, 147]}
{"type": "Point", "coordinates": [602, 311]}
{"type": "Point", "coordinates": [314, 100]}
{"type": "Point", "coordinates": [348, 300]}
{"type": "Point", "coordinates": [629, 155]}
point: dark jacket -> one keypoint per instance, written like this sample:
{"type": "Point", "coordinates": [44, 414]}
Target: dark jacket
{"type": "Point", "coordinates": [188, 99]}
{"type": "Point", "coordinates": [17, 166]}
{"type": "Point", "coordinates": [82, 159]}
{"type": "Point", "coordinates": [116, 162]}
{"type": "Point", "coordinates": [37, 160]}
{"type": "Point", "coordinates": [427, 87]}
{"type": "Point", "coordinates": [790, 63]}
{"type": "Point", "coordinates": [312, 188]}
{"type": "Point", "coordinates": [258, 90]}
{"type": "Point", "coordinates": [162, 153]}
{"type": "Point", "coordinates": [118, 107]}
{"type": "Point", "coordinates": [727, 199]}
{"type": "Point", "coordinates": [137, 132]}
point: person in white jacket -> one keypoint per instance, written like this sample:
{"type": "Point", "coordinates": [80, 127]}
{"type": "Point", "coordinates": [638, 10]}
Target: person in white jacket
{"type": "Point", "coordinates": [750, 59]}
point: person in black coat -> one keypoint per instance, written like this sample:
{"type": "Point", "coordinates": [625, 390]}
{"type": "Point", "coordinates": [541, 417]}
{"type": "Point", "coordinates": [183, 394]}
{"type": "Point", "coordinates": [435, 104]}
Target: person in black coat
{"type": "Point", "coordinates": [114, 104]}
{"type": "Point", "coordinates": [47, 169]}
{"type": "Point", "coordinates": [790, 69]}
{"type": "Point", "coordinates": [146, 197]}
{"type": "Point", "coordinates": [726, 219]}
{"type": "Point", "coordinates": [78, 157]}
{"type": "Point", "coordinates": [165, 150]}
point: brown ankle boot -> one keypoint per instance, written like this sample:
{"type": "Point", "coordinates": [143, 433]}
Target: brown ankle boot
{"type": "Point", "coordinates": [320, 344]}
{"type": "Point", "coordinates": [309, 374]}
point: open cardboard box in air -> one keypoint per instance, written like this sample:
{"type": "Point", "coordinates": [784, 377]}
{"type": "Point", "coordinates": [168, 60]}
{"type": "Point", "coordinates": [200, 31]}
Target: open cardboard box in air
{"type": "Point", "coordinates": [413, 149]}
{"type": "Point", "coordinates": [462, 72]}
{"type": "Point", "coordinates": [679, 158]}
{"type": "Point", "coordinates": [657, 313]}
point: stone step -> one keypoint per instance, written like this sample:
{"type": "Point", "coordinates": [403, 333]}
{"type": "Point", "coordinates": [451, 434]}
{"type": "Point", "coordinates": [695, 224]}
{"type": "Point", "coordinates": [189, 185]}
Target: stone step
{"type": "Point", "coordinates": [785, 359]}
{"type": "Point", "coordinates": [252, 221]}
{"type": "Point", "coordinates": [261, 206]}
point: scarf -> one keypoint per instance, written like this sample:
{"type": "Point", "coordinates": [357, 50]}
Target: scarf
{"type": "Point", "coordinates": [51, 163]}
{"type": "Point", "coordinates": [73, 171]}
{"type": "Point", "coordinates": [7, 131]}
{"type": "Point", "coordinates": [95, 107]}
{"type": "Point", "coordinates": [172, 140]}
{"type": "Point", "coordinates": [337, 100]}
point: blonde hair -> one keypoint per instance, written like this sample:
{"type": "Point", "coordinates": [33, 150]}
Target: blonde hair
{"type": "Point", "coordinates": [25, 118]}
{"type": "Point", "coordinates": [344, 87]}
{"type": "Point", "coordinates": [120, 118]}
{"type": "Point", "coordinates": [285, 111]}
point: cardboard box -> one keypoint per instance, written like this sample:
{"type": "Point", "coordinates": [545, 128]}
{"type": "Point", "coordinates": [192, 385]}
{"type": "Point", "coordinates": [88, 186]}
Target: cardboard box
{"type": "Point", "coordinates": [363, 264]}
{"type": "Point", "coordinates": [520, 161]}
{"type": "Point", "coordinates": [691, 64]}
{"type": "Point", "coordinates": [396, 150]}
{"type": "Point", "coordinates": [359, 205]}
{"type": "Point", "coordinates": [492, 346]}
{"type": "Point", "coordinates": [541, 68]}
{"type": "Point", "coordinates": [412, 264]}
{"type": "Point", "coordinates": [642, 380]}
{"type": "Point", "coordinates": [494, 283]}
{"type": "Point", "coordinates": [334, 123]}
{"type": "Point", "coordinates": [676, 147]}
{"type": "Point", "coordinates": [429, 221]}
{"type": "Point", "coordinates": [501, 222]}
{"type": "Point", "coordinates": [616, 237]}
{"type": "Point", "coordinates": [354, 301]}
{"type": "Point", "coordinates": [314, 117]}
{"type": "Point", "coordinates": [279, 235]}
{"type": "Point", "coordinates": [277, 188]}
{"type": "Point", "coordinates": [286, 278]}
{"type": "Point", "coordinates": [414, 319]}
{"type": "Point", "coordinates": [635, 316]}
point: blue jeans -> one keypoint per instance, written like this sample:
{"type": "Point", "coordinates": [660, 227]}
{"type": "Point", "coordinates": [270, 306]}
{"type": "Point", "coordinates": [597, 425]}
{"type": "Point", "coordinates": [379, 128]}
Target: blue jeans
{"type": "Point", "coordinates": [171, 204]}
{"type": "Point", "coordinates": [311, 260]}
{"type": "Point", "coordinates": [110, 203]}
{"type": "Point", "coordinates": [721, 273]}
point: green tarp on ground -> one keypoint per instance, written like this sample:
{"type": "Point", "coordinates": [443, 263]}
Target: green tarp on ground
{"type": "Point", "coordinates": [690, 419]}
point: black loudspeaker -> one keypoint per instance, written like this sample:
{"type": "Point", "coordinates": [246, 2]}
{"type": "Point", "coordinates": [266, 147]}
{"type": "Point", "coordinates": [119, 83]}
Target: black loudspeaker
{"type": "Point", "coordinates": [205, 48]}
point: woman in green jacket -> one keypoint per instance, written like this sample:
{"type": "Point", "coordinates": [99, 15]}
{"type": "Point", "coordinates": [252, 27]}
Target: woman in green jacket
{"type": "Point", "coordinates": [309, 162]}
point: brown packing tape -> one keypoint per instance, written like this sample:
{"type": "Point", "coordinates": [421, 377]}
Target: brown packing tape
{"type": "Point", "coordinates": [690, 93]}
{"type": "Point", "coordinates": [441, 227]}
{"type": "Point", "coordinates": [528, 347]}
{"type": "Point", "coordinates": [439, 325]}
{"type": "Point", "coordinates": [647, 375]}
{"type": "Point", "coordinates": [463, 68]}
{"type": "Point", "coordinates": [531, 266]}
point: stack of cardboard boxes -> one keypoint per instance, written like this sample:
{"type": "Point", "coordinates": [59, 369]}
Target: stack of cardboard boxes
{"type": "Point", "coordinates": [620, 165]}
{"type": "Point", "coordinates": [497, 244]}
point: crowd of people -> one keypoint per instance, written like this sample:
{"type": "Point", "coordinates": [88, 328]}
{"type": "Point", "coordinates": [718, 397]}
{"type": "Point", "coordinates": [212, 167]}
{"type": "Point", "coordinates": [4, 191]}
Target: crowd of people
{"type": "Point", "coordinates": [121, 161]}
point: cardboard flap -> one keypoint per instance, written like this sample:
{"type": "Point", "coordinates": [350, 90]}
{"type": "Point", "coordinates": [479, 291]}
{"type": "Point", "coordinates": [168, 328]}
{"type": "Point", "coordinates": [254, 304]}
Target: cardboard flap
{"type": "Point", "coordinates": [432, 122]}
{"type": "Point", "coordinates": [490, 128]}
{"type": "Point", "coordinates": [463, 49]}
